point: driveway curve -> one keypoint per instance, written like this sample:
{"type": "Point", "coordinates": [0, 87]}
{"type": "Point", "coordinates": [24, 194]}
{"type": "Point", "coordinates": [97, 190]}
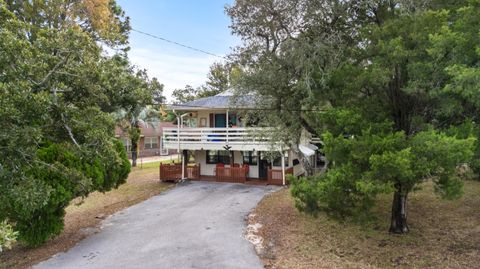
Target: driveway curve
{"type": "Point", "coordinates": [195, 225]}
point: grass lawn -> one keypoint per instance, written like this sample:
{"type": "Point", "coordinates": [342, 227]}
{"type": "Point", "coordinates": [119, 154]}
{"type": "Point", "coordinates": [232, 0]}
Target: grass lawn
{"type": "Point", "coordinates": [84, 219]}
{"type": "Point", "coordinates": [444, 234]}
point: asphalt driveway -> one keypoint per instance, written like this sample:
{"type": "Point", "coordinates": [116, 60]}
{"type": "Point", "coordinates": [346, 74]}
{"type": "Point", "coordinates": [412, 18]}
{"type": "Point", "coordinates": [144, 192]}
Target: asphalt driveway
{"type": "Point", "coordinates": [196, 225]}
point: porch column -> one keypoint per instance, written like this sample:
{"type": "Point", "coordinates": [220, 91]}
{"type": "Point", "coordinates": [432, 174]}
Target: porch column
{"type": "Point", "coordinates": [178, 136]}
{"type": "Point", "coordinates": [183, 165]}
{"type": "Point", "coordinates": [283, 168]}
{"type": "Point", "coordinates": [227, 125]}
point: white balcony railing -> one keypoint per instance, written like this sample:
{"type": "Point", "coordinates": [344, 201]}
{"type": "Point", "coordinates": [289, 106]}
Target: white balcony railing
{"type": "Point", "coordinates": [217, 138]}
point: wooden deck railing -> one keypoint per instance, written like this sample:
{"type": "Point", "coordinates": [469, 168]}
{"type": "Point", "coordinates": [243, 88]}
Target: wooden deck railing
{"type": "Point", "coordinates": [231, 174]}
{"type": "Point", "coordinates": [222, 174]}
{"type": "Point", "coordinates": [238, 138]}
{"type": "Point", "coordinates": [174, 172]}
{"type": "Point", "coordinates": [275, 176]}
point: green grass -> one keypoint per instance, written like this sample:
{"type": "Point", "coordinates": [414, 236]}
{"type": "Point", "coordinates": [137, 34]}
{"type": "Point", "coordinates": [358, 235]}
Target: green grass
{"type": "Point", "coordinates": [157, 163]}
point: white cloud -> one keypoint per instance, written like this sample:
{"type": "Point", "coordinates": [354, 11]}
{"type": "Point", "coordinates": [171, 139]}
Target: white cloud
{"type": "Point", "coordinates": [173, 68]}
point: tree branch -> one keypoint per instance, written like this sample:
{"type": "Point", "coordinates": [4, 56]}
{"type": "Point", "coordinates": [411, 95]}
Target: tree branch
{"type": "Point", "coordinates": [69, 130]}
{"type": "Point", "coordinates": [51, 72]}
{"type": "Point", "coordinates": [307, 126]}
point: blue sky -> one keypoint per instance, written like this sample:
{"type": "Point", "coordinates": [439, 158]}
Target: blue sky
{"type": "Point", "coordinates": [202, 24]}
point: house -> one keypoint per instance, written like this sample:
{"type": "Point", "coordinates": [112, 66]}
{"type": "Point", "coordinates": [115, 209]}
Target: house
{"type": "Point", "coordinates": [150, 143]}
{"type": "Point", "coordinates": [225, 148]}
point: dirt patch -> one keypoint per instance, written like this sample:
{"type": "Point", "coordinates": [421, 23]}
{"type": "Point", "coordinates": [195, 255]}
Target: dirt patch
{"type": "Point", "coordinates": [444, 234]}
{"type": "Point", "coordinates": [84, 219]}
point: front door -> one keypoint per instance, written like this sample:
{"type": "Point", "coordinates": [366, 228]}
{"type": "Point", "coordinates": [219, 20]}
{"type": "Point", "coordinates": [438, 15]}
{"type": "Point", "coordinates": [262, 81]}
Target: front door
{"type": "Point", "coordinates": [220, 121]}
{"type": "Point", "coordinates": [263, 169]}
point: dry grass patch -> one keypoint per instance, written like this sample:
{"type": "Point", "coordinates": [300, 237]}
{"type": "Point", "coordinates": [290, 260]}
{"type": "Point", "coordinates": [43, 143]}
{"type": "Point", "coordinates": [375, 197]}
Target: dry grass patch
{"type": "Point", "coordinates": [84, 219]}
{"type": "Point", "coordinates": [444, 234]}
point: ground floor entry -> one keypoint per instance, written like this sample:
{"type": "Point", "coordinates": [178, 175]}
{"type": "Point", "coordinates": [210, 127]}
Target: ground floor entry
{"type": "Point", "coordinates": [230, 166]}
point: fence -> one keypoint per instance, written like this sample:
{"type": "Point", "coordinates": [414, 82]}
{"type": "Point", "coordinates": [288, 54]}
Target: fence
{"type": "Point", "coordinates": [144, 153]}
{"type": "Point", "coordinates": [174, 172]}
{"type": "Point", "coordinates": [231, 174]}
{"type": "Point", "coordinates": [275, 176]}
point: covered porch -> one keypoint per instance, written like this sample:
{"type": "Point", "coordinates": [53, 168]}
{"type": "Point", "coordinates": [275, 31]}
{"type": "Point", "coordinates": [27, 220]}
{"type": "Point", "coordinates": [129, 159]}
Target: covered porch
{"type": "Point", "coordinates": [177, 172]}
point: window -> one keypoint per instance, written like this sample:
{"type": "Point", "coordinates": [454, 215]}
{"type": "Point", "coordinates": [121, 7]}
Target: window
{"type": "Point", "coordinates": [190, 122]}
{"type": "Point", "coordinates": [151, 142]}
{"type": "Point", "coordinates": [250, 157]}
{"type": "Point", "coordinates": [232, 119]}
{"type": "Point", "coordinates": [218, 156]}
{"type": "Point", "coordinates": [212, 156]}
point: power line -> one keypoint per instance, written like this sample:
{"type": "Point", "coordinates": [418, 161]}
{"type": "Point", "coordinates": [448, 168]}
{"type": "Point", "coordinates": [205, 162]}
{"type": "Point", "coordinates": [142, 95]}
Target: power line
{"type": "Point", "coordinates": [180, 106]}
{"type": "Point", "coordinates": [178, 44]}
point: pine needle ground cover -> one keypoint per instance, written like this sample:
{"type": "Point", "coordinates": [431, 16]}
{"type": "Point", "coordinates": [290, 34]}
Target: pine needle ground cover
{"type": "Point", "coordinates": [444, 234]}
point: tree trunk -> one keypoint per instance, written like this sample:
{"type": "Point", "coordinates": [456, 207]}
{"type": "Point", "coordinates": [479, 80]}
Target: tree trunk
{"type": "Point", "coordinates": [398, 223]}
{"type": "Point", "coordinates": [134, 152]}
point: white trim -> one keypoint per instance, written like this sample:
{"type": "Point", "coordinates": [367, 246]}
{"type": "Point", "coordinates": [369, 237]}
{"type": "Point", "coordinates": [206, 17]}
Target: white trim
{"type": "Point", "coordinates": [243, 139]}
{"type": "Point", "coordinates": [283, 168]}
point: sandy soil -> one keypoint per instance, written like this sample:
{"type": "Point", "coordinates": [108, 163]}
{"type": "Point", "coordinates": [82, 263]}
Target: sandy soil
{"type": "Point", "coordinates": [444, 234]}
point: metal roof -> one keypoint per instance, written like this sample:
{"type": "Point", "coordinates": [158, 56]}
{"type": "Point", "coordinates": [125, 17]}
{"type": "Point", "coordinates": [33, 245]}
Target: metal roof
{"type": "Point", "coordinates": [220, 101]}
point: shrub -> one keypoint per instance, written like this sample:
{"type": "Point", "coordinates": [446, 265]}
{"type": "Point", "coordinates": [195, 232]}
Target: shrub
{"type": "Point", "coordinates": [37, 203]}
{"type": "Point", "coordinates": [7, 235]}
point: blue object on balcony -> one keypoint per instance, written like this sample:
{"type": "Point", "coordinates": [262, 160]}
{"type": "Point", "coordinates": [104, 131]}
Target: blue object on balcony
{"type": "Point", "coordinates": [214, 140]}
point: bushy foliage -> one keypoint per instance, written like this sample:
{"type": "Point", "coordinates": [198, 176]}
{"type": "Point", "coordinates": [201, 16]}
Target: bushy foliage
{"type": "Point", "coordinates": [62, 173]}
{"type": "Point", "coordinates": [7, 236]}
{"type": "Point", "coordinates": [365, 163]}
{"type": "Point", "coordinates": [466, 129]}
{"type": "Point", "coordinates": [383, 84]}
{"type": "Point", "coordinates": [58, 89]}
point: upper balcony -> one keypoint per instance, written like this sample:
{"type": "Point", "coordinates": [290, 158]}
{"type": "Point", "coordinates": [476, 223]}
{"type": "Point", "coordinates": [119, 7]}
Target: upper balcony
{"type": "Point", "coordinates": [239, 138]}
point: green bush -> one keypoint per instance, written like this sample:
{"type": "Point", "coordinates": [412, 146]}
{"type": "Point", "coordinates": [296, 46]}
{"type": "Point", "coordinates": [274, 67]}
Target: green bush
{"type": "Point", "coordinates": [7, 236]}
{"type": "Point", "coordinates": [37, 204]}
{"type": "Point", "coordinates": [365, 165]}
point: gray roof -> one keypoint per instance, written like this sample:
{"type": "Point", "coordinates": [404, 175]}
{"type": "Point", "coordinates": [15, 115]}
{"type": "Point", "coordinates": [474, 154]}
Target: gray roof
{"type": "Point", "coordinates": [219, 101]}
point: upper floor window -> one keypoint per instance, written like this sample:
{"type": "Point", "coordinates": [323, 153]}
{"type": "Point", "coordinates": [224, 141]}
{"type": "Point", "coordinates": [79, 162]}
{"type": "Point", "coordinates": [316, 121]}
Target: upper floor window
{"type": "Point", "coordinates": [151, 142]}
{"type": "Point", "coordinates": [190, 122]}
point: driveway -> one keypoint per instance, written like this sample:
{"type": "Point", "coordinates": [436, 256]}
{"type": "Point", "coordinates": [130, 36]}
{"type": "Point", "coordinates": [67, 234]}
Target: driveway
{"type": "Point", "coordinates": [195, 225]}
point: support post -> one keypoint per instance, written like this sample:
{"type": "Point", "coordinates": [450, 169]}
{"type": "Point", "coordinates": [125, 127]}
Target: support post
{"type": "Point", "coordinates": [178, 136]}
{"type": "Point", "coordinates": [183, 167]}
{"type": "Point", "coordinates": [227, 126]}
{"type": "Point", "coordinates": [283, 168]}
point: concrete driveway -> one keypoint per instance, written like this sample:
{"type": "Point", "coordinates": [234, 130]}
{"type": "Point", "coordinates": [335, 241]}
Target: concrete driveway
{"type": "Point", "coordinates": [195, 225]}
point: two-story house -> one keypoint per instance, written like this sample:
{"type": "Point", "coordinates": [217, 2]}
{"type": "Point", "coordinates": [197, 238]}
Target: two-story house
{"type": "Point", "coordinates": [224, 147]}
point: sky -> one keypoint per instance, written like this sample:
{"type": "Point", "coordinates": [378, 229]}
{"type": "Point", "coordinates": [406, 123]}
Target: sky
{"type": "Point", "coordinates": [201, 24]}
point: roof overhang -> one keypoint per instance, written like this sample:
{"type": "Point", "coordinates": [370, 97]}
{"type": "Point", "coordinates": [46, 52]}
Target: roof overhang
{"type": "Point", "coordinates": [199, 108]}
{"type": "Point", "coordinates": [308, 149]}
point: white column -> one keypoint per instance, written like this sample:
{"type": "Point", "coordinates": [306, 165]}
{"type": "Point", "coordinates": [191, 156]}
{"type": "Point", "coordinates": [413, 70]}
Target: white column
{"type": "Point", "coordinates": [227, 126]}
{"type": "Point", "coordinates": [283, 167]}
{"type": "Point", "coordinates": [178, 137]}
{"type": "Point", "coordinates": [183, 166]}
